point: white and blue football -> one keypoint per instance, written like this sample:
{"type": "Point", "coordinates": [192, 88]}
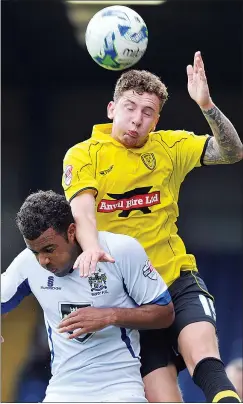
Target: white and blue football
{"type": "Point", "coordinates": [116, 37]}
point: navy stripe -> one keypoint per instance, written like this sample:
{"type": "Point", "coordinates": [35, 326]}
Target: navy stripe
{"type": "Point", "coordinates": [51, 341]}
{"type": "Point", "coordinates": [127, 341]}
{"type": "Point", "coordinates": [162, 299]}
{"type": "Point", "coordinates": [22, 291]}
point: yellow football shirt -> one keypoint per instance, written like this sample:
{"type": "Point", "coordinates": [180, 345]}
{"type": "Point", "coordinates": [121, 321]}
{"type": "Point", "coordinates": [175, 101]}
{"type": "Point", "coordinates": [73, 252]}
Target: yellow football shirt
{"type": "Point", "coordinates": [137, 189]}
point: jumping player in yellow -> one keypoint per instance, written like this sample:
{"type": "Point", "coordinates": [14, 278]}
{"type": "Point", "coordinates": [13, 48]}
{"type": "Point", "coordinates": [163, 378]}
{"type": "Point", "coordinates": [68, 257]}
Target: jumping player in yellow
{"type": "Point", "coordinates": [126, 179]}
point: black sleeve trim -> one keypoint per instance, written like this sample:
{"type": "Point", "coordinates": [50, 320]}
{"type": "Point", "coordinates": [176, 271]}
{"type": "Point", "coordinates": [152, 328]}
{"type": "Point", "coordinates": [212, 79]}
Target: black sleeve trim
{"type": "Point", "coordinates": [81, 190]}
{"type": "Point", "coordinates": [204, 151]}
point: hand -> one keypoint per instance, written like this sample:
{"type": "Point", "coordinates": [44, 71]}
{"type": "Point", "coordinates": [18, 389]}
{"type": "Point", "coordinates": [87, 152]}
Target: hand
{"type": "Point", "coordinates": [86, 320]}
{"type": "Point", "coordinates": [197, 83]}
{"type": "Point", "coordinates": [87, 261]}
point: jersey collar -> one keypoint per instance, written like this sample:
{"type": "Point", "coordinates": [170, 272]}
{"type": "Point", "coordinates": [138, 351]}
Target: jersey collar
{"type": "Point", "coordinates": [102, 133]}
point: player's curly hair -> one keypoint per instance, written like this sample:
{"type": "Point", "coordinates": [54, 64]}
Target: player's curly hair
{"type": "Point", "coordinates": [43, 210]}
{"type": "Point", "coordinates": [141, 81]}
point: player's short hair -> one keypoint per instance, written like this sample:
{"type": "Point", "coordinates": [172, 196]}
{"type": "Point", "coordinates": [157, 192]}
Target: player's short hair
{"type": "Point", "coordinates": [43, 210]}
{"type": "Point", "coordinates": [141, 81]}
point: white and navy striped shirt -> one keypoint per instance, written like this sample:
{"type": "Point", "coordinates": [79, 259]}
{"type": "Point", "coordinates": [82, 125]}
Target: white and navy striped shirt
{"type": "Point", "coordinates": [105, 365]}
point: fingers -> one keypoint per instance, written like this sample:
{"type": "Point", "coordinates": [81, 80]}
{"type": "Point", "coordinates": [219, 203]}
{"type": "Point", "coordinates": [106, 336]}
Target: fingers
{"type": "Point", "coordinates": [189, 70]}
{"type": "Point", "coordinates": [197, 70]}
{"type": "Point", "coordinates": [87, 263]}
{"type": "Point", "coordinates": [71, 323]}
{"type": "Point", "coordinates": [198, 62]}
{"type": "Point", "coordinates": [90, 265]}
{"type": "Point", "coordinates": [77, 333]}
{"type": "Point", "coordinates": [70, 319]}
{"type": "Point", "coordinates": [69, 328]}
{"type": "Point", "coordinates": [202, 75]}
{"type": "Point", "coordinates": [88, 260]}
{"type": "Point", "coordinates": [108, 258]}
{"type": "Point", "coordinates": [200, 66]}
{"type": "Point", "coordinates": [195, 65]}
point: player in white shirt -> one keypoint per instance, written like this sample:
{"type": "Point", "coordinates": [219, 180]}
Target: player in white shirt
{"type": "Point", "coordinates": [100, 360]}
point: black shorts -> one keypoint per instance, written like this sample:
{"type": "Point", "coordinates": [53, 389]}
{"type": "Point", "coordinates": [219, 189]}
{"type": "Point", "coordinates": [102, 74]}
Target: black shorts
{"type": "Point", "coordinates": [192, 303]}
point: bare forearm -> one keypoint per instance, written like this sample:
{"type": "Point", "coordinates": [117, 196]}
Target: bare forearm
{"type": "Point", "coordinates": [91, 319]}
{"type": "Point", "coordinates": [83, 210]}
{"type": "Point", "coordinates": [86, 231]}
{"type": "Point", "coordinates": [226, 146]}
{"type": "Point", "coordinates": [144, 317]}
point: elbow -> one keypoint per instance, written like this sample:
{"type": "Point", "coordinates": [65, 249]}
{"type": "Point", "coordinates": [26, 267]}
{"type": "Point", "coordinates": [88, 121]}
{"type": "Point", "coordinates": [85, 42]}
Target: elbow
{"type": "Point", "coordinates": [238, 156]}
{"type": "Point", "coordinates": [168, 316]}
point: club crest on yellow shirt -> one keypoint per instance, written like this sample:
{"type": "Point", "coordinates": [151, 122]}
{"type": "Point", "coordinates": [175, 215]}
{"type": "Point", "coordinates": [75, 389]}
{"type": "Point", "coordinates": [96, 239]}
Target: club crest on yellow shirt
{"type": "Point", "coordinates": [149, 160]}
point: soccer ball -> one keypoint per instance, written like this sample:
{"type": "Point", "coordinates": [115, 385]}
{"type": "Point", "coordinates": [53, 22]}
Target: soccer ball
{"type": "Point", "coordinates": [116, 37]}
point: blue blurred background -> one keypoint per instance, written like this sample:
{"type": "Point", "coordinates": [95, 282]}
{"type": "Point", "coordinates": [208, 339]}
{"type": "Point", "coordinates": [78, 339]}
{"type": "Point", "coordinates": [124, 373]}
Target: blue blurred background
{"type": "Point", "coordinates": [52, 95]}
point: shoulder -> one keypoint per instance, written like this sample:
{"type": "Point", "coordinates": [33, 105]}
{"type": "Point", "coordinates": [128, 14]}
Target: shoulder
{"type": "Point", "coordinates": [83, 148]}
{"type": "Point", "coordinates": [170, 138]}
{"type": "Point", "coordinates": [120, 245]}
{"type": "Point", "coordinates": [23, 262]}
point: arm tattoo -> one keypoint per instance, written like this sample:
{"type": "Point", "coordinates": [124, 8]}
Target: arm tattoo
{"type": "Point", "coordinates": [225, 147]}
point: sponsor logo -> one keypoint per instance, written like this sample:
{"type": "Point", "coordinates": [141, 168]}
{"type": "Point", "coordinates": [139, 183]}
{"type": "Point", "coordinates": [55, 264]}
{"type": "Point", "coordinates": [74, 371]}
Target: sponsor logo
{"type": "Point", "coordinates": [149, 271]}
{"type": "Point", "coordinates": [133, 53]}
{"type": "Point", "coordinates": [50, 284]}
{"type": "Point", "coordinates": [104, 172]}
{"type": "Point", "coordinates": [67, 308]}
{"type": "Point", "coordinates": [67, 175]}
{"type": "Point", "coordinates": [149, 160]}
{"type": "Point", "coordinates": [97, 283]}
{"type": "Point", "coordinates": [136, 199]}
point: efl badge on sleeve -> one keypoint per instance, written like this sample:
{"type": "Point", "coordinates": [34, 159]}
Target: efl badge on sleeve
{"type": "Point", "coordinates": [149, 271]}
{"type": "Point", "coordinates": [68, 174]}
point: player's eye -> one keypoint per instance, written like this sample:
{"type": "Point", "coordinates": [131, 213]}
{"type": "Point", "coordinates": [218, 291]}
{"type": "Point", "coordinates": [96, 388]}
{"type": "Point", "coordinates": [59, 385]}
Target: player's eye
{"type": "Point", "coordinates": [49, 250]}
{"type": "Point", "coordinates": [147, 113]}
{"type": "Point", "coordinates": [130, 107]}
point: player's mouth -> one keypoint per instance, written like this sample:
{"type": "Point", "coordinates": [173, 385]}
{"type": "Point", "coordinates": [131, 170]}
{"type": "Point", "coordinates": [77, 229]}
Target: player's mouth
{"type": "Point", "coordinates": [52, 270]}
{"type": "Point", "coordinates": [132, 133]}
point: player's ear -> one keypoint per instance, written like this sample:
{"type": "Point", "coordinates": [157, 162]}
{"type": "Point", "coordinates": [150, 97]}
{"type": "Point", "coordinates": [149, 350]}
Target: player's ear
{"type": "Point", "coordinates": [71, 232]}
{"type": "Point", "coordinates": [110, 109]}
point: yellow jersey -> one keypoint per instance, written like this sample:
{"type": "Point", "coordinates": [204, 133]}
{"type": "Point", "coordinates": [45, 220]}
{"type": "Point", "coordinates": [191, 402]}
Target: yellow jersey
{"type": "Point", "coordinates": [137, 189]}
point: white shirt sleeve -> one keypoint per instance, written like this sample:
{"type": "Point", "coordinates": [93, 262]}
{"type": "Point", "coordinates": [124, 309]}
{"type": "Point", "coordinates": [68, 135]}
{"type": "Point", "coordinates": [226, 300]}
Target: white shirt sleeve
{"type": "Point", "coordinates": [14, 285]}
{"type": "Point", "coordinates": [142, 282]}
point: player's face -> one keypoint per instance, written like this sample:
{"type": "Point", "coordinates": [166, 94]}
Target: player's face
{"type": "Point", "coordinates": [134, 116]}
{"type": "Point", "coordinates": [54, 252]}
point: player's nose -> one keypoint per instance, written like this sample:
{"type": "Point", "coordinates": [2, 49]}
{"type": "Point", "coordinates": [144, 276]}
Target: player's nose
{"type": "Point", "coordinates": [43, 260]}
{"type": "Point", "coordinates": [137, 118]}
